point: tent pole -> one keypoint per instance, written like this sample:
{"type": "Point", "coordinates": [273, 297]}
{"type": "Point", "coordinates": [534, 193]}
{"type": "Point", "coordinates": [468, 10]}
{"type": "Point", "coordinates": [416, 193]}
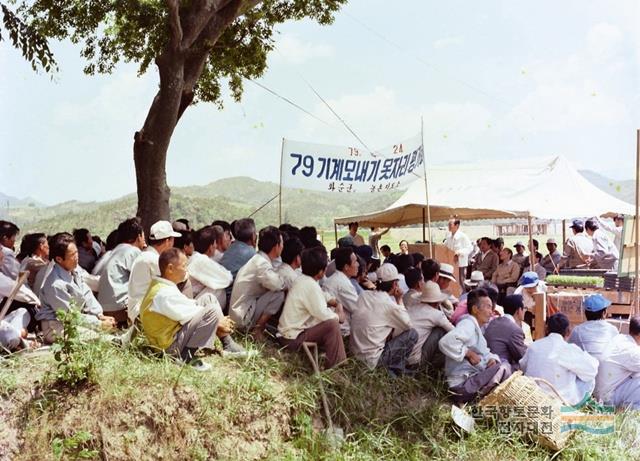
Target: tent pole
{"type": "Point", "coordinates": [636, 308]}
{"type": "Point", "coordinates": [532, 249]}
{"type": "Point", "coordinates": [280, 193]}
{"type": "Point", "coordinates": [564, 232]}
{"type": "Point", "coordinates": [335, 231]}
{"type": "Point", "coordinates": [426, 189]}
{"type": "Point", "coordinates": [424, 225]}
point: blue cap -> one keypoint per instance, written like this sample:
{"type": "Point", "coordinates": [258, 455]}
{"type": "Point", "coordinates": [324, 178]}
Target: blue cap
{"type": "Point", "coordinates": [577, 223]}
{"type": "Point", "coordinates": [529, 279]}
{"type": "Point", "coordinates": [595, 303]}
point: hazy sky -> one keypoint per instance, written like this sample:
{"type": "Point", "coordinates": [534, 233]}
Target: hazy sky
{"type": "Point", "coordinates": [492, 79]}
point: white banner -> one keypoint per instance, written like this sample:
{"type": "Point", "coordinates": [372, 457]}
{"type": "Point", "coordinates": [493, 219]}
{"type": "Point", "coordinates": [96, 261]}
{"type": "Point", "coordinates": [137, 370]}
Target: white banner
{"type": "Point", "coordinates": [350, 169]}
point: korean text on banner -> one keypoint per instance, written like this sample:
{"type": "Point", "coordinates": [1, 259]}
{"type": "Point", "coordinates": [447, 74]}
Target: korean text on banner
{"type": "Point", "coordinates": [349, 169]}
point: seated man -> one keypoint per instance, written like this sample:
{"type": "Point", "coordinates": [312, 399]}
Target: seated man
{"type": "Point", "coordinates": [379, 315]}
{"type": "Point", "coordinates": [505, 336]}
{"type": "Point", "coordinates": [113, 289]}
{"type": "Point", "coordinates": [87, 256]}
{"type": "Point", "coordinates": [289, 270]}
{"type": "Point", "coordinates": [306, 316]}
{"type": "Point", "coordinates": [208, 276]}
{"type": "Point", "coordinates": [174, 323]}
{"type": "Point", "coordinates": [224, 241]}
{"type": "Point", "coordinates": [472, 369]}
{"type": "Point", "coordinates": [339, 285]}
{"type": "Point", "coordinates": [593, 335]}
{"type": "Point", "coordinates": [64, 286]}
{"type": "Point", "coordinates": [520, 258]}
{"type": "Point", "coordinates": [258, 289]}
{"type": "Point", "coordinates": [8, 235]}
{"type": "Point", "coordinates": [551, 261]}
{"type": "Point", "coordinates": [24, 298]}
{"type": "Point", "coordinates": [431, 324]}
{"type": "Point", "coordinates": [578, 249]}
{"type": "Point", "coordinates": [506, 274]}
{"type": "Point", "coordinates": [415, 282]}
{"type": "Point", "coordinates": [145, 267]}
{"type": "Point", "coordinates": [13, 330]}
{"type": "Point", "coordinates": [487, 260]}
{"type": "Point", "coordinates": [618, 380]}
{"type": "Point", "coordinates": [568, 368]}
{"type": "Point", "coordinates": [538, 268]}
{"type": "Point", "coordinates": [243, 248]}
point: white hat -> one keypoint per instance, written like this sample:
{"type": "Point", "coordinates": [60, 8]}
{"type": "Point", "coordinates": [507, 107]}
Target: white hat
{"type": "Point", "coordinates": [431, 293]}
{"type": "Point", "coordinates": [446, 271]}
{"type": "Point", "coordinates": [520, 243]}
{"type": "Point", "coordinates": [162, 230]}
{"type": "Point", "coordinates": [476, 277]}
{"type": "Point", "coordinates": [387, 273]}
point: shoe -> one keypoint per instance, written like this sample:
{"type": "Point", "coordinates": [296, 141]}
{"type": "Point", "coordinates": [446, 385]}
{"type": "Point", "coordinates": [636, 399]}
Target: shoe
{"type": "Point", "coordinates": [232, 349]}
{"type": "Point", "coordinates": [199, 365]}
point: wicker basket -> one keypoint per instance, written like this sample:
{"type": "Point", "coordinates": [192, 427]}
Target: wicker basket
{"type": "Point", "coordinates": [521, 406]}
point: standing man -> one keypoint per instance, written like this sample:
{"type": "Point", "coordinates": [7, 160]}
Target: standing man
{"type": "Point", "coordinates": [458, 242]}
{"type": "Point", "coordinates": [578, 250]}
{"type": "Point", "coordinates": [605, 253]}
{"type": "Point", "coordinates": [353, 232]}
{"type": "Point", "coordinates": [615, 228]}
{"type": "Point", "coordinates": [374, 239]}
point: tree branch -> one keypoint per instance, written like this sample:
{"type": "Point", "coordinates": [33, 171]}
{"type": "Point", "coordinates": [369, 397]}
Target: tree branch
{"type": "Point", "coordinates": [174, 24]}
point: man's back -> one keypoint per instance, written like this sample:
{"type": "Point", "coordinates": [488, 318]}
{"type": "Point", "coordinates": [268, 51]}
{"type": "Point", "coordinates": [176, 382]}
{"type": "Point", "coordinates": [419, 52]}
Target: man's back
{"type": "Point", "coordinates": [236, 256]}
{"type": "Point", "coordinates": [505, 338]}
{"type": "Point", "coordinates": [113, 291]}
{"type": "Point", "coordinates": [593, 336]}
{"type": "Point", "coordinates": [577, 250]}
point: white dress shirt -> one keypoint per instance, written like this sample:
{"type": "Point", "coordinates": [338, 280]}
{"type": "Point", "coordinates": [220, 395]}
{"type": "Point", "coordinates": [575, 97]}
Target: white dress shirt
{"type": "Point", "coordinates": [305, 307]}
{"type": "Point", "coordinates": [144, 269]}
{"type": "Point", "coordinates": [593, 336]}
{"type": "Point", "coordinates": [24, 294]}
{"type": "Point", "coordinates": [206, 273]}
{"type": "Point", "coordinates": [340, 287]}
{"type": "Point", "coordinates": [288, 274]}
{"type": "Point", "coordinates": [610, 225]}
{"type": "Point", "coordinates": [172, 303]}
{"type": "Point", "coordinates": [10, 266]}
{"type": "Point", "coordinates": [460, 244]}
{"type": "Point", "coordinates": [376, 315]}
{"type": "Point", "coordinates": [425, 318]}
{"type": "Point", "coordinates": [113, 291]}
{"type": "Point", "coordinates": [562, 364]}
{"type": "Point", "coordinates": [621, 360]}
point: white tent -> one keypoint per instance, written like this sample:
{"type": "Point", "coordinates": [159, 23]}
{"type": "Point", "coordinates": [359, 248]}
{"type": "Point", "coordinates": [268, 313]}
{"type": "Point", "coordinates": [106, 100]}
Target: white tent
{"type": "Point", "coordinates": [545, 188]}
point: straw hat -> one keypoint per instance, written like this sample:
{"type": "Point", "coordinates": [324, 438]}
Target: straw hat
{"type": "Point", "coordinates": [431, 294]}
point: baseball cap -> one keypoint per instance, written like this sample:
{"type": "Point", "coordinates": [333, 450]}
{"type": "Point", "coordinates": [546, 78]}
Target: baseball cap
{"type": "Point", "coordinates": [387, 273]}
{"type": "Point", "coordinates": [595, 303]}
{"type": "Point", "coordinates": [577, 223]}
{"type": "Point", "coordinates": [529, 279]}
{"type": "Point", "coordinates": [162, 230]}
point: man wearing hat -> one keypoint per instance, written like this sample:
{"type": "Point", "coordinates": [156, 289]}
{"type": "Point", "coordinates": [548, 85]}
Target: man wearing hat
{"type": "Point", "coordinates": [474, 280]}
{"type": "Point", "coordinates": [431, 324]}
{"type": "Point", "coordinates": [505, 336]}
{"type": "Point", "coordinates": [605, 253]}
{"type": "Point", "coordinates": [145, 267]}
{"type": "Point", "coordinates": [520, 258]}
{"type": "Point", "coordinates": [551, 261]}
{"type": "Point", "coordinates": [445, 277]}
{"type": "Point", "coordinates": [618, 380]}
{"type": "Point", "coordinates": [593, 335]}
{"type": "Point", "coordinates": [578, 249]}
{"type": "Point", "coordinates": [615, 228]}
{"type": "Point", "coordinates": [380, 314]}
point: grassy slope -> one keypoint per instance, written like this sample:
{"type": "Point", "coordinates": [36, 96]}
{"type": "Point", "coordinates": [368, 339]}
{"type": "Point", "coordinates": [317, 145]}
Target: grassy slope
{"type": "Point", "coordinates": [264, 408]}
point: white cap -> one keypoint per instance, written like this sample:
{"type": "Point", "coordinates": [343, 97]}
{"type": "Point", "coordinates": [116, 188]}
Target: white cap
{"type": "Point", "coordinates": [446, 271]}
{"type": "Point", "coordinates": [162, 230]}
{"type": "Point", "coordinates": [431, 293]}
{"type": "Point", "coordinates": [476, 277]}
{"type": "Point", "coordinates": [387, 273]}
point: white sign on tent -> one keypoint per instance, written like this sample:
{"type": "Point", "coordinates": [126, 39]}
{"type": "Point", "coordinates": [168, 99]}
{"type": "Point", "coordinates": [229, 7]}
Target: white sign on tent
{"type": "Point", "coordinates": [350, 170]}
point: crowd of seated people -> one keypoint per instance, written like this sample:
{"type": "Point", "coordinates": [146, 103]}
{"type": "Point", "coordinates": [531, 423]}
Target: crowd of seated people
{"type": "Point", "coordinates": [188, 289]}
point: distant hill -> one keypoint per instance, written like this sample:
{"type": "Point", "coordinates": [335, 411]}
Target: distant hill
{"type": "Point", "coordinates": [7, 201]}
{"type": "Point", "coordinates": [229, 199]}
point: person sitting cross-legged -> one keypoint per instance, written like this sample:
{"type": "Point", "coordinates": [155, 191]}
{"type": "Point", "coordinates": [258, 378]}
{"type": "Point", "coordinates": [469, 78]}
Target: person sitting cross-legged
{"type": "Point", "coordinates": [618, 380]}
{"type": "Point", "coordinates": [257, 292]}
{"type": "Point", "coordinates": [472, 370]}
{"type": "Point", "coordinates": [174, 323]}
{"type": "Point", "coordinates": [505, 336]}
{"type": "Point", "coordinates": [596, 333]}
{"type": "Point", "coordinates": [378, 316]}
{"type": "Point", "coordinates": [306, 316]}
{"type": "Point", "coordinates": [568, 368]}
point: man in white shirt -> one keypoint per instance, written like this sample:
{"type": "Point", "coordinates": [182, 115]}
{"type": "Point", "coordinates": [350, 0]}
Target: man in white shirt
{"type": "Point", "coordinates": [568, 368]}
{"type": "Point", "coordinates": [374, 239]}
{"type": "Point", "coordinates": [306, 315]}
{"type": "Point", "coordinates": [257, 292]}
{"type": "Point", "coordinates": [458, 242]}
{"type": "Point", "coordinates": [472, 370]}
{"type": "Point", "coordinates": [618, 380]}
{"type": "Point", "coordinates": [145, 267]}
{"type": "Point", "coordinates": [358, 240]}
{"type": "Point", "coordinates": [8, 235]}
{"type": "Point", "coordinates": [415, 282]}
{"type": "Point", "coordinates": [596, 333]}
{"type": "Point", "coordinates": [113, 289]}
{"type": "Point", "coordinates": [431, 324]}
{"type": "Point", "coordinates": [339, 285]}
{"type": "Point", "coordinates": [578, 249]}
{"type": "Point", "coordinates": [615, 228]}
{"type": "Point", "coordinates": [289, 270]}
{"type": "Point", "coordinates": [224, 241]}
{"type": "Point", "coordinates": [605, 253]}
{"type": "Point", "coordinates": [206, 275]}
{"type": "Point", "coordinates": [378, 315]}
{"type": "Point", "coordinates": [174, 323]}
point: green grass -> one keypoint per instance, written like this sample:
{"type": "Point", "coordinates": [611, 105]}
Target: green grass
{"type": "Point", "coordinates": [264, 407]}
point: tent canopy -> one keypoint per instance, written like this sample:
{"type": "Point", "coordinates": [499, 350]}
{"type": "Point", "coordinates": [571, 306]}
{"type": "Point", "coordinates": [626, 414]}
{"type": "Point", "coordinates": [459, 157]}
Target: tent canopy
{"type": "Point", "coordinates": [545, 188]}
